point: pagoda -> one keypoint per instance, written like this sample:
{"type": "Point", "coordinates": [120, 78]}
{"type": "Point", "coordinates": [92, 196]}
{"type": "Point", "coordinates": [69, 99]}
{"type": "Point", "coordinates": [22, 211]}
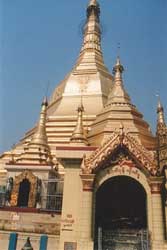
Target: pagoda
{"type": "Point", "coordinates": [90, 175]}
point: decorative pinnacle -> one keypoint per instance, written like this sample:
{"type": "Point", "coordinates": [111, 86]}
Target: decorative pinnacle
{"type": "Point", "coordinates": [45, 101]}
{"type": "Point", "coordinates": [78, 135]}
{"type": "Point", "coordinates": [118, 68]}
{"type": "Point", "coordinates": [118, 94]}
{"type": "Point", "coordinates": [92, 32]}
{"type": "Point", "coordinates": [40, 134]}
{"type": "Point", "coordinates": [160, 112]}
{"type": "Point", "coordinates": [93, 3]}
{"type": "Point", "coordinates": [38, 150]}
{"type": "Point", "coordinates": [91, 56]}
{"type": "Point", "coordinates": [93, 8]}
{"type": "Point", "coordinates": [117, 71]}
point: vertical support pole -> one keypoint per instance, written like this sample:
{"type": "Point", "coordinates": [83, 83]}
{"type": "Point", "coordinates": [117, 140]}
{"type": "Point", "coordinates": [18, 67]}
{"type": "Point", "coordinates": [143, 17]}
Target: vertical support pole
{"type": "Point", "coordinates": [43, 242]}
{"type": "Point", "coordinates": [12, 241]}
{"type": "Point", "coordinates": [100, 238]}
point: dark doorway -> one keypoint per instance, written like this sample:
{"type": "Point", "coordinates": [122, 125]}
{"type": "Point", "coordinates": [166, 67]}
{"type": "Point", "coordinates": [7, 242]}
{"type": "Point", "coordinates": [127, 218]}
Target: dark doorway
{"type": "Point", "coordinates": [24, 191]}
{"type": "Point", "coordinates": [120, 212]}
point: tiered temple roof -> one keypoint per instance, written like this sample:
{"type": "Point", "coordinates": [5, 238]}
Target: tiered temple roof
{"type": "Point", "coordinates": [105, 100]}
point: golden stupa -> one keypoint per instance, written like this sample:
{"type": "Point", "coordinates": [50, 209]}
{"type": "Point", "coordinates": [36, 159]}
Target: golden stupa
{"type": "Point", "coordinates": [90, 174]}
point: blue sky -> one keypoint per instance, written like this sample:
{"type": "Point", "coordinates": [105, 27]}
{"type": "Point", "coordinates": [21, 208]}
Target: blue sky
{"type": "Point", "coordinates": [40, 42]}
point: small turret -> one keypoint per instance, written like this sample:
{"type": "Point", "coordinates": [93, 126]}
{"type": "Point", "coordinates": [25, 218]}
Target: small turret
{"type": "Point", "coordinates": [40, 136]}
{"type": "Point", "coordinates": [118, 93]}
{"type": "Point", "coordinates": [92, 32]}
{"type": "Point", "coordinates": [160, 112]}
{"type": "Point", "coordinates": [78, 135]}
{"type": "Point", "coordinates": [93, 3]}
{"type": "Point", "coordinates": [120, 109]}
{"type": "Point", "coordinates": [161, 136]}
{"type": "Point", "coordinates": [38, 151]}
{"type": "Point", "coordinates": [91, 57]}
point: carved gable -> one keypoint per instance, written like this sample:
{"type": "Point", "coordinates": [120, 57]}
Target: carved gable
{"type": "Point", "coordinates": [120, 148]}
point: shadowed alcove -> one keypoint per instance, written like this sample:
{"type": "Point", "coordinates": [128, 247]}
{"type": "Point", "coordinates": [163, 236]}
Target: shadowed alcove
{"type": "Point", "coordinates": [24, 191]}
{"type": "Point", "coordinates": [120, 212]}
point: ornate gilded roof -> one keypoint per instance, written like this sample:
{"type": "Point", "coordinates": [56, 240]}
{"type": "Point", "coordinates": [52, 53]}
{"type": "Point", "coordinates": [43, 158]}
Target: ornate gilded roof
{"type": "Point", "coordinates": [121, 140]}
{"type": "Point", "coordinates": [161, 137]}
{"type": "Point", "coordinates": [37, 151]}
{"type": "Point", "coordinates": [119, 109]}
{"type": "Point", "coordinates": [89, 77]}
{"type": "Point", "coordinates": [106, 102]}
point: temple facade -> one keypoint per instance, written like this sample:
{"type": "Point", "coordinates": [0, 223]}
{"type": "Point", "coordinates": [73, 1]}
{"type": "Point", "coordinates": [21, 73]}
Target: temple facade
{"type": "Point", "coordinates": [90, 175]}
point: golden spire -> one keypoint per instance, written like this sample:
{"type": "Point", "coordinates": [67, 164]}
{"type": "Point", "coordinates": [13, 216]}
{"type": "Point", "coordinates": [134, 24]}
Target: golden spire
{"type": "Point", "coordinates": [40, 136]}
{"type": "Point", "coordinates": [92, 32]}
{"type": "Point", "coordinates": [91, 52]}
{"type": "Point", "coordinates": [118, 93]}
{"type": "Point", "coordinates": [161, 137]}
{"type": "Point", "coordinates": [78, 135]}
{"type": "Point", "coordinates": [38, 151]}
{"type": "Point", "coordinates": [93, 2]}
{"type": "Point", "coordinates": [160, 112]}
{"type": "Point", "coordinates": [118, 70]}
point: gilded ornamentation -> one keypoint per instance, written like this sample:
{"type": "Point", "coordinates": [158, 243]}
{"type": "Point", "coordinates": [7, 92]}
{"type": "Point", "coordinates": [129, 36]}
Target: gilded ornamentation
{"type": "Point", "coordinates": [120, 139]}
{"type": "Point", "coordinates": [79, 135]}
{"type": "Point", "coordinates": [38, 150]}
{"type": "Point", "coordinates": [15, 192]}
{"type": "Point", "coordinates": [161, 138]}
{"type": "Point", "coordinates": [162, 145]}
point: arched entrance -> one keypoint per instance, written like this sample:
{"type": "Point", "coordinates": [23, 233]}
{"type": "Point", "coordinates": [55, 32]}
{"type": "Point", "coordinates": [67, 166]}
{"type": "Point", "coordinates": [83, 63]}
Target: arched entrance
{"type": "Point", "coordinates": [25, 184]}
{"type": "Point", "coordinates": [24, 191]}
{"type": "Point", "coordinates": [120, 214]}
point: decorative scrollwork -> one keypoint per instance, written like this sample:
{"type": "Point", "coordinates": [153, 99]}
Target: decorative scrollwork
{"type": "Point", "coordinates": [123, 140]}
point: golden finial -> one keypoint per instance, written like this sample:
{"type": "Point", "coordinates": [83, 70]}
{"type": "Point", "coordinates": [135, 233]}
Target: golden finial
{"type": "Point", "coordinates": [160, 112]}
{"type": "Point", "coordinates": [38, 150]}
{"type": "Point", "coordinates": [78, 135]}
{"type": "Point", "coordinates": [91, 56]}
{"type": "Point", "coordinates": [117, 71]}
{"type": "Point", "coordinates": [40, 134]}
{"type": "Point", "coordinates": [92, 32]}
{"type": "Point", "coordinates": [93, 3]}
{"type": "Point", "coordinates": [118, 68]}
{"type": "Point", "coordinates": [118, 94]}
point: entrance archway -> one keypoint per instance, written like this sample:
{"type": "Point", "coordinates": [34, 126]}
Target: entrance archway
{"type": "Point", "coordinates": [120, 213]}
{"type": "Point", "coordinates": [24, 191]}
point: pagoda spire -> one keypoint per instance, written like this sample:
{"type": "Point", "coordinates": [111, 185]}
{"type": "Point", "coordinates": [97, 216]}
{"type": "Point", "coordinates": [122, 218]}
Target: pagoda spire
{"type": "Point", "coordinates": [40, 136]}
{"type": "Point", "coordinates": [91, 57]}
{"type": "Point", "coordinates": [78, 135]}
{"type": "Point", "coordinates": [38, 150]}
{"type": "Point", "coordinates": [160, 113]}
{"type": "Point", "coordinates": [118, 70]}
{"type": "Point", "coordinates": [92, 32]}
{"type": "Point", "coordinates": [118, 93]}
{"type": "Point", "coordinates": [93, 2]}
{"type": "Point", "coordinates": [161, 137]}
